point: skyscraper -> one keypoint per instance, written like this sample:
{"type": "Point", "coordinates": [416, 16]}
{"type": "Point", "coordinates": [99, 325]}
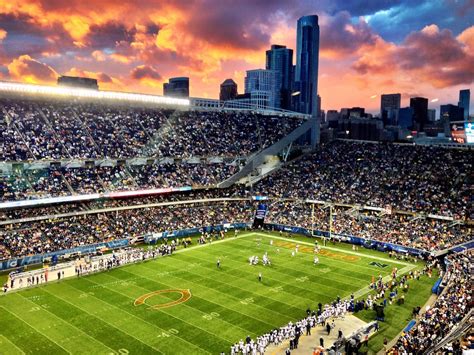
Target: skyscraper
{"type": "Point", "coordinates": [420, 112]}
{"type": "Point", "coordinates": [464, 100]}
{"type": "Point", "coordinates": [228, 90]}
{"type": "Point", "coordinates": [431, 115]}
{"type": "Point", "coordinates": [263, 87]}
{"type": "Point", "coordinates": [389, 106]}
{"type": "Point", "coordinates": [451, 113]}
{"type": "Point", "coordinates": [177, 87]}
{"type": "Point", "coordinates": [280, 59]}
{"type": "Point", "coordinates": [307, 62]}
{"type": "Point", "coordinates": [405, 117]}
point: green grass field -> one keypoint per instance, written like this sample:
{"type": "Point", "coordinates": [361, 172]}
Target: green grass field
{"type": "Point", "coordinates": [96, 314]}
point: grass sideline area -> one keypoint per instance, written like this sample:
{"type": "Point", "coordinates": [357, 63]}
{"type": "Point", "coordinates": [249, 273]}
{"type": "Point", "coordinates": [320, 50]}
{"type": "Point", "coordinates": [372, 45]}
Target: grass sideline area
{"type": "Point", "coordinates": [100, 314]}
{"type": "Point", "coordinates": [397, 316]}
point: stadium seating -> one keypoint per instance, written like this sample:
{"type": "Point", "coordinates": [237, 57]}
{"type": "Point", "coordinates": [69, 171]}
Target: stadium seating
{"type": "Point", "coordinates": [449, 309]}
{"type": "Point", "coordinates": [51, 182]}
{"type": "Point", "coordinates": [55, 130]}
{"type": "Point", "coordinates": [413, 179]}
{"type": "Point", "coordinates": [38, 237]}
{"type": "Point", "coordinates": [405, 230]}
{"type": "Point", "coordinates": [405, 177]}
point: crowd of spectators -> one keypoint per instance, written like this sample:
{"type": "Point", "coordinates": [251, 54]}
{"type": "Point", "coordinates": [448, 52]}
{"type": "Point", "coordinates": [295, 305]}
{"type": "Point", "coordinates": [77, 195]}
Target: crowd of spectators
{"type": "Point", "coordinates": [51, 182]}
{"type": "Point", "coordinates": [223, 134]}
{"type": "Point", "coordinates": [73, 207]}
{"type": "Point", "coordinates": [55, 129]}
{"type": "Point", "coordinates": [47, 235]}
{"type": "Point", "coordinates": [426, 234]}
{"type": "Point", "coordinates": [405, 177]}
{"type": "Point", "coordinates": [449, 309]}
{"type": "Point", "coordinates": [410, 231]}
{"type": "Point", "coordinates": [406, 230]}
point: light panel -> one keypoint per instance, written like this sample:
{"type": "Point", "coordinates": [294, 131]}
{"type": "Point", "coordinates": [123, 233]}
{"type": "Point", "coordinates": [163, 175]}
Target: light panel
{"type": "Point", "coordinates": [87, 93]}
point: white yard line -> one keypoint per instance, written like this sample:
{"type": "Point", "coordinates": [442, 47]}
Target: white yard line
{"type": "Point", "coordinates": [8, 341]}
{"type": "Point", "coordinates": [67, 323]}
{"type": "Point", "coordinates": [228, 239]}
{"type": "Point", "coordinates": [36, 329]}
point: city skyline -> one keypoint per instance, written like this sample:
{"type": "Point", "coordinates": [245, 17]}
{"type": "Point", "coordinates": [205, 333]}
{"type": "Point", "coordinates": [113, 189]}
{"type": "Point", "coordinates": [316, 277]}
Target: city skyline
{"type": "Point", "coordinates": [367, 48]}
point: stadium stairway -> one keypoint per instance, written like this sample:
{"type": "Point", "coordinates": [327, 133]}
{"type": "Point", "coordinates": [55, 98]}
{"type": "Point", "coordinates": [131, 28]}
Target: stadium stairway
{"type": "Point", "coordinates": [151, 147]}
{"type": "Point", "coordinates": [256, 164]}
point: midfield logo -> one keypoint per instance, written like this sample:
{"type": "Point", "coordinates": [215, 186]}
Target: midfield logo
{"type": "Point", "coordinates": [374, 263]}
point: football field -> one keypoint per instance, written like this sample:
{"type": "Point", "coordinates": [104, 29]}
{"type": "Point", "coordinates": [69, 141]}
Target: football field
{"type": "Point", "coordinates": [184, 303]}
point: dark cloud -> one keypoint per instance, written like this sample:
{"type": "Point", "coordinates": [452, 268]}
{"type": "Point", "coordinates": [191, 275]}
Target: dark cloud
{"type": "Point", "coordinates": [145, 72]}
{"type": "Point", "coordinates": [430, 46]}
{"type": "Point", "coordinates": [363, 67]}
{"type": "Point", "coordinates": [431, 55]}
{"type": "Point", "coordinates": [108, 35]}
{"type": "Point", "coordinates": [219, 25]}
{"type": "Point", "coordinates": [397, 22]}
{"type": "Point", "coordinates": [27, 36]}
{"type": "Point", "coordinates": [152, 29]}
{"type": "Point", "coordinates": [339, 34]}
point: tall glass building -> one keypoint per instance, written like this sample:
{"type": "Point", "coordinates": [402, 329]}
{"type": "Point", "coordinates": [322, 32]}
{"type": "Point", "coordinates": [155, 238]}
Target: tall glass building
{"type": "Point", "coordinates": [263, 87]}
{"type": "Point", "coordinates": [464, 98]}
{"type": "Point", "coordinates": [307, 62]}
{"type": "Point", "coordinates": [280, 59]}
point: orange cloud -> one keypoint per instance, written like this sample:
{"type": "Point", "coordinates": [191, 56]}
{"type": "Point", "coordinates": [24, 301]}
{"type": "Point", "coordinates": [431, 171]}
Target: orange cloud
{"type": "Point", "coordinates": [106, 82]}
{"type": "Point", "coordinates": [27, 69]}
{"type": "Point", "coordinates": [99, 56]}
{"type": "Point", "coordinates": [212, 43]}
{"type": "Point", "coordinates": [467, 38]}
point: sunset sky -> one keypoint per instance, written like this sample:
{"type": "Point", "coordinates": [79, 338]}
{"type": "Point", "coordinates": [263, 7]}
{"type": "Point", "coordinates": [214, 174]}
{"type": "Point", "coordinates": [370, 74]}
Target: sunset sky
{"type": "Point", "coordinates": [417, 48]}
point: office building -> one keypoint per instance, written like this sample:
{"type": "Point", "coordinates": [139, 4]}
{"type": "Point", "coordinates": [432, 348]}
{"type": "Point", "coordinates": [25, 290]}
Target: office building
{"type": "Point", "coordinates": [389, 106]}
{"type": "Point", "coordinates": [176, 87]}
{"type": "Point", "coordinates": [78, 82]}
{"type": "Point", "coordinates": [464, 101]}
{"type": "Point", "coordinates": [307, 61]}
{"type": "Point", "coordinates": [431, 115]}
{"type": "Point", "coordinates": [332, 118]}
{"type": "Point", "coordinates": [405, 117]}
{"type": "Point", "coordinates": [420, 112]}
{"type": "Point", "coordinates": [264, 88]}
{"type": "Point", "coordinates": [451, 113]}
{"type": "Point", "coordinates": [228, 90]}
{"type": "Point", "coordinates": [357, 112]}
{"type": "Point", "coordinates": [280, 59]}
{"type": "Point", "coordinates": [360, 128]}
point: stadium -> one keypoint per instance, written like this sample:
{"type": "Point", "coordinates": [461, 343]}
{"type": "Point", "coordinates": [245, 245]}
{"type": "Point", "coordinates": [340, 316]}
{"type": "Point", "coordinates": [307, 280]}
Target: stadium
{"type": "Point", "coordinates": [136, 223]}
{"type": "Point", "coordinates": [112, 244]}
